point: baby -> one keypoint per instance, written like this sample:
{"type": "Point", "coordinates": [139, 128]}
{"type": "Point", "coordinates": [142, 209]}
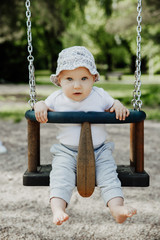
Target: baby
{"type": "Point", "coordinates": [76, 73]}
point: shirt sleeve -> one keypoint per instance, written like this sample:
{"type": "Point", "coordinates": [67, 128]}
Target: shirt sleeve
{"type": "Point", "coordinates": [50, 100]}
{"type": "Point", "coordinates": [108, 101]}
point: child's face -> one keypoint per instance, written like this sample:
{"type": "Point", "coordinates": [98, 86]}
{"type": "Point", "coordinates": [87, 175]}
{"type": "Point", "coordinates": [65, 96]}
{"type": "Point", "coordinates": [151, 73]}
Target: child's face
{"type": "Point", "coordinates": [76, 84]}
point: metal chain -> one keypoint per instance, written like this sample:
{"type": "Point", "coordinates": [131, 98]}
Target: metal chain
{"type": "Point", "coordinates": [30, 58]}
{"type": "Point", "coordinates": [136, 101]}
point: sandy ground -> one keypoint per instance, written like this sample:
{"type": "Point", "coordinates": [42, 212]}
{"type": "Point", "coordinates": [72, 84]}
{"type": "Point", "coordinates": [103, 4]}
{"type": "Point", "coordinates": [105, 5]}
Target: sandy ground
{"type": "Point", "coordinates": [25, 211]}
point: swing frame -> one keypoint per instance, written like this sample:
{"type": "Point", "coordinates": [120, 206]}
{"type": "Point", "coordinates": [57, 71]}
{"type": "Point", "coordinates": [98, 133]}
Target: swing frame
{"type": "Point", "coordinates": [131, 175]}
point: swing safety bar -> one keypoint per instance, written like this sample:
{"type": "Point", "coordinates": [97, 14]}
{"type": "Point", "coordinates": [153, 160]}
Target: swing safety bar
{"type": "Point", "coordinates": [91, 117]}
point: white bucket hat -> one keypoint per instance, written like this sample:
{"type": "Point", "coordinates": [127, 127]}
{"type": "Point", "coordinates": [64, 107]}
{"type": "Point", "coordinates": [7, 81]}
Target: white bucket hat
{"type": "Point", "coordinates": [72, 58]}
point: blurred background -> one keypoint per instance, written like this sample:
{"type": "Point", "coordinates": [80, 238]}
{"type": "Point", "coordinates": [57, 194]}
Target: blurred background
{"type": "Point", "coordinates": [108, 28]}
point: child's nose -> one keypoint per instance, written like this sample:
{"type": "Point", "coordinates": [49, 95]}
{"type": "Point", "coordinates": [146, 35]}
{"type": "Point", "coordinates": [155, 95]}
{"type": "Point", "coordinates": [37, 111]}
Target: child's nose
{"type": "Point", "coordinates": [77, 84]}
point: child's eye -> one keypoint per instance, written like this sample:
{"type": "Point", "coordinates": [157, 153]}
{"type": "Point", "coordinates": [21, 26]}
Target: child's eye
{"type": "Point", "coordinates": [69, 79]}
{"type": "Point", "coordinates": [84, 78]}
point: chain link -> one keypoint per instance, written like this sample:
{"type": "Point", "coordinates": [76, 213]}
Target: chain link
{"type": "Point", "coordinates": [30, 58]}
{"type": "Point", "coordinates": [136, 101]}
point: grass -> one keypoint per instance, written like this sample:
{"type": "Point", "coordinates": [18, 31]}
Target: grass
{"type": "Point", "coordinates": [16, 115]}
{"type": "Point", "coordinates": [121, 90]}
{"type": "Point", "coordinates": [42, 77]}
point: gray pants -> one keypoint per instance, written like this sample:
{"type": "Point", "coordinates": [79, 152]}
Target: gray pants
{"type": "Point", "coordinates": [63, 174]}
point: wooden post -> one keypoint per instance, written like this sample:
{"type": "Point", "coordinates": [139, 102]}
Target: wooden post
{"type": "Point", "coordinates": [137, 146]}
{"type": "Point", "coordinates": [33, 145]}
{"type": "Point", "coordinates": [85, 162]}
{"type": "Point", "coordinates": [132, 145]}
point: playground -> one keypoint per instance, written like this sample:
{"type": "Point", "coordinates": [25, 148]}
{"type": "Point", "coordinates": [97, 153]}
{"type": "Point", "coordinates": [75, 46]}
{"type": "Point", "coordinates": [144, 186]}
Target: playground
{"type": "Point", "coordinates": [25, 211]}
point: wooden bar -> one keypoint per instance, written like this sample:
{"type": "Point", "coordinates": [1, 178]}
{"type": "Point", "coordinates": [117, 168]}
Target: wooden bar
{"type": "Point", "coordinates": [33, 145]}
{"type": "Point", "coordinates": [132, 145]}
{"type": "Point", "coordinates": [85, 162]}
{"type": "Point", "coordinates": [137, 146]}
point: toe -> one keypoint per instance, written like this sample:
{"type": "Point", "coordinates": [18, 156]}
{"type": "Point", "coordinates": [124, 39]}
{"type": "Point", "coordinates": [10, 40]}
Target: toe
{"type": "Point", "coordinates": [60, 220]}
{"type": "Point", "coordinates": [66, 218]}
{"type": "Point", "coordinates": [131, 212]}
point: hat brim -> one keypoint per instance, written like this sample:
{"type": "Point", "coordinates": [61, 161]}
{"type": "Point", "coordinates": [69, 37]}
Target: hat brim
{"type": "Point", "coordinates": [54, 77]}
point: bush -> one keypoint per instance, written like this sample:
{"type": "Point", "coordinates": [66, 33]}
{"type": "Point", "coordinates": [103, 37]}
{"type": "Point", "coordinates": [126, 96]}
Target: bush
{"type": "Point", "coordinates": [152, 97]}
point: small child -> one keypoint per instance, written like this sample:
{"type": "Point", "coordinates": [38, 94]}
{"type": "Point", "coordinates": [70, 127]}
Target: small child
{"type": "Point", "coordinates": [76, 73]}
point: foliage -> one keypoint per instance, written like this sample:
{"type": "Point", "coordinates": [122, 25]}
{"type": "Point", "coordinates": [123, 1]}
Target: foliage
{"type": "Point", "coordinates": [49, 21]}
{"type": "Point", "coordinates": [106, 27]}
{"type": "Point", "coordinates": [154, 4]}
{"type": "Point", "coordinates": [11, 17]}
{"type": "Point", "coordinates": [152, 97]}
{"type": "Point", "coordinates": [123, 23]}
{"type": "Point", "coordinates": [91, 32]}
{"type": "Point", "coordinates": [13, 64]}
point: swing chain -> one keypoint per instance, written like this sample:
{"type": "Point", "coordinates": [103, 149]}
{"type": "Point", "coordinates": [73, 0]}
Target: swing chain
{"type": "Point", "coordinates": [30, 58]}
{"type": "Point", "coordinates": [136, 101]}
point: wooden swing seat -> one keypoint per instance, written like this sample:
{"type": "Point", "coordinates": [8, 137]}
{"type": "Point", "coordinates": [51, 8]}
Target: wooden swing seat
{"type": "Point", "coordinates": [131, 175]}
{"type": "Point", "coordinates": [126, 174]}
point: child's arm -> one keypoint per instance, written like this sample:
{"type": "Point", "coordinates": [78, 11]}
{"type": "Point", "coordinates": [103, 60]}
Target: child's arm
{"type": "Point", "coordinates": [41, 110]}
{"type": "Point", "coordinates": [121, 111]}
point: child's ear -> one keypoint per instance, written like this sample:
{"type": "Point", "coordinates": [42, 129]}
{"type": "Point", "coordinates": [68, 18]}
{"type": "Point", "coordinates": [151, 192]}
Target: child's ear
{"type": "Point", "coordinates": [94, 78]}
{"type": "Point", "coordinates": [59, 81]}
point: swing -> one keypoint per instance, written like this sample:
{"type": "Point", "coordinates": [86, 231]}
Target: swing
{"type": "Point", "coordinates": [132, 175]}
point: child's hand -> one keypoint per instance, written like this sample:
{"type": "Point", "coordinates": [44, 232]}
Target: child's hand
{"type": "Point", "coordinates": [41, 110]}
{"type": "Point", "coordinates": [121, 111]}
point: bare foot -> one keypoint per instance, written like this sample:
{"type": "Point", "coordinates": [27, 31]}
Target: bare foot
{"type": "Point", "coordinates": [121, 213]}
{"type": "Point", "coordinates": [59, 217]}
{"type": "Point", "coordinates": [58, 206]}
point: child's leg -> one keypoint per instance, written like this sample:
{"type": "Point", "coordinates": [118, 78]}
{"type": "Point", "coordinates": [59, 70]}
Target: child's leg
{"type": "Point", "coordinates": [107, 180]}
{"type": "Point", "coordinates": [119, 211]}
{"type": "Point", "coordinates": [58, 207]}
{"type": "Point", "coordinates": [62, 181]}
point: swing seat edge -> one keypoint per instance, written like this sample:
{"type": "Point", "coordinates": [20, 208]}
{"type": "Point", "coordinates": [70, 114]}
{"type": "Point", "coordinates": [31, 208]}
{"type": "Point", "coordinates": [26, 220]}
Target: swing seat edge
{"type": "Point", "coordinates": [126, 174]}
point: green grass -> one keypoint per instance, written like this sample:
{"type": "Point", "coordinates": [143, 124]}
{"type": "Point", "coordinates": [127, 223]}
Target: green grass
{"type": "Point", "coordinates": [43, 77]}
{"type": "Point", "coordinates": [15, 115]}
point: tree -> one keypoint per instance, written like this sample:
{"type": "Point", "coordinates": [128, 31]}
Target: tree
{"type": "Point", "coordinates": [91, 32]}
{"type": "Point", "coordinates": [49, 21]}
{"type": "Point", "coordinates": [13, 65]}
{"type": "Point", "coordinates": [123, 22]}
